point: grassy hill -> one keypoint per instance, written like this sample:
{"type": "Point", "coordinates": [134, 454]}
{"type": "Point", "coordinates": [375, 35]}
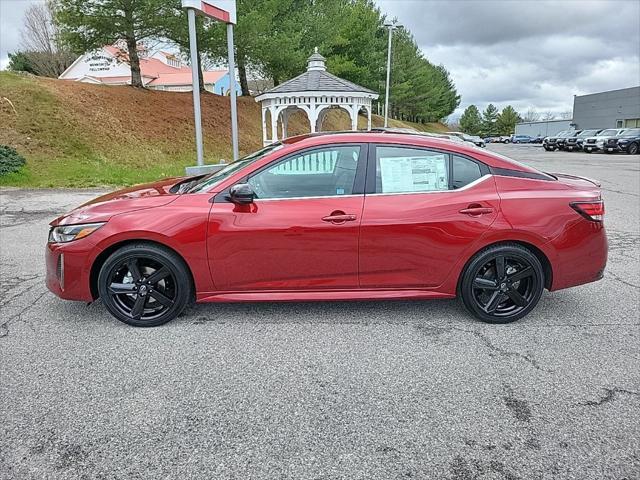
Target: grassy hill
{"type": "Point", "coordinates": [80, 135]}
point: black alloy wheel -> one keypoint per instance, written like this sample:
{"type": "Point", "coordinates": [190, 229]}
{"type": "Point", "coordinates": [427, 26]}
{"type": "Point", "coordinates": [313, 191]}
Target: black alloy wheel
{"type": "Point", "coordinates": [144, 285]}
{"type": "Point", "coordinates": [633, 149]}
{"type": "Point", "coordinates": [502, 283]}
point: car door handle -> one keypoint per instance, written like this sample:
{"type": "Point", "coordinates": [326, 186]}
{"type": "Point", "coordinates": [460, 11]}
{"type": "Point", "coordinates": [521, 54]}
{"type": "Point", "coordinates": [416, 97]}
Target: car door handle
{"type": "Point", "coordinates": [339, 218]}
{"type": "Point", "coordinates": [476, 210]}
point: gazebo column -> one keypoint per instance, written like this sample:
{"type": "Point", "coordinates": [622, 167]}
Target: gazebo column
{"type": "Point", "coordinates": [353, 113]}
{"type": "Point", "coordinates": [313, 116]}
{"type": "Point", "coordinates": [274, 123]}
{"type": "Point", "coordinates": [285, 122]}
{"type": "Point", "coordinates": [264, 126]}
{"type": "Point", "coordinates": [368, 117]}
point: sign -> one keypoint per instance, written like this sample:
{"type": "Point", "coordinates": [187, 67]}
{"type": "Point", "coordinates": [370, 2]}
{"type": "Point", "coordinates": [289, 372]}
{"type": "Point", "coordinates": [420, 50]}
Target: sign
{"type": "Point", "coordinates": [221, 10]}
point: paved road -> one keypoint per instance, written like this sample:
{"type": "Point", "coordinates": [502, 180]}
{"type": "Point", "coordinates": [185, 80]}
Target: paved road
{"type": "Point", "coordinates": [406, 390]}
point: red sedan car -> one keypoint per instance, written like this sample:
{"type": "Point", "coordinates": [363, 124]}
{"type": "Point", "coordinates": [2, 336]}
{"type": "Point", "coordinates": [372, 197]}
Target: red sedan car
{"type": "Point", "coordinates": [345, 216]}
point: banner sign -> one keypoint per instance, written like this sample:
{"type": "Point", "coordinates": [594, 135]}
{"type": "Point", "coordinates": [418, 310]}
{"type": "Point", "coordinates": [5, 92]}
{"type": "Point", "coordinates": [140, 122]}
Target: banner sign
{"type": "Point", "coordinates": [221, 10]}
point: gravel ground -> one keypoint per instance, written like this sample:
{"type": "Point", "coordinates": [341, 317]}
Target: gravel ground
{"type": "Point", "coordinates": [362, 390]}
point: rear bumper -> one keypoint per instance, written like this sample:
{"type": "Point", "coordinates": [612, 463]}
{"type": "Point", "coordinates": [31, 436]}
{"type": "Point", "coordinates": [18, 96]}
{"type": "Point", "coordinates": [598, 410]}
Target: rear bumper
{"type": "Point", "coordinates": [68, 270]}
{"type": "Point", "coordinates": [580, 255]}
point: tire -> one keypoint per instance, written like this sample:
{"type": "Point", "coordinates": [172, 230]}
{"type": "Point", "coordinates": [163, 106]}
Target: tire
{"type": "Point", "coordinates": [502, 298]}
{"type": "Point", "coordinates": [145, 285]}
{"type": "Point", "coordinates": [633, 149]}
{"type": "Point", "coordinates": [507, 141]}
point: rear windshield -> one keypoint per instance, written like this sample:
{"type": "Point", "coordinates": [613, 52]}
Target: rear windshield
{"type": "Point", "coordinates": [519, 164]}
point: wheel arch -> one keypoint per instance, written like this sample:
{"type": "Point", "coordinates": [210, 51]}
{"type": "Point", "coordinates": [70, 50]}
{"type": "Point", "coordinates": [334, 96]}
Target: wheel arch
{"type": "Point", "coordinates": [541, 256]}
{"type": "Point", "coordinates": [104, 254]}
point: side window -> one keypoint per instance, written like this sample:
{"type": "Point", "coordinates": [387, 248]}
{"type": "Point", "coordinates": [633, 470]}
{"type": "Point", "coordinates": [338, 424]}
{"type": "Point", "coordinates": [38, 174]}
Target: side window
{"type": "Point", "coordinates": [404, 169]}
{"type": "Point", "coordinates": [465, 171]}
{"type": "Point", "coordinates": [317, 173]}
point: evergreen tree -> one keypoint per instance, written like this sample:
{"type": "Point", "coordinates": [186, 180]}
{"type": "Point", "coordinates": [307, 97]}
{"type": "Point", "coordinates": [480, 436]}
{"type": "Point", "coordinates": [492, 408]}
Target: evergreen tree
{"type": "Point", "coordinates": [471, 121]}
{"type": "Point", "coordinates": [507, 119]}
{"type": "Point", "coordinates": [489, 120]}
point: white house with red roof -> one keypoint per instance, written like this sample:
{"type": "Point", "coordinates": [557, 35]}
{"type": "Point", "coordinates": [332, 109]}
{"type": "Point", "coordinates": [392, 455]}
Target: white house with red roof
{"type": "Point", "coordinates": [160, 71]}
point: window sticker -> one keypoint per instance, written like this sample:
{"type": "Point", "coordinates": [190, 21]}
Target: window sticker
{"type": "Point", "coordinates": [414, 174]}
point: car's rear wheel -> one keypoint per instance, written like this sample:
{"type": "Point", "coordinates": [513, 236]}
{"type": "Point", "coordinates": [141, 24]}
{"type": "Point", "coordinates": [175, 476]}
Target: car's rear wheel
{"type": "Point", "coordinates": [633, 149]}
{"type": "Point", "coordinates": [502, 284]}
{"type": "Point", "coordinates": [144, 285]}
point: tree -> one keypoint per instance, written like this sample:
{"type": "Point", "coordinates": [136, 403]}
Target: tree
{"type": "Point", "coordinates": [506, 121]}
{"type": "Point", "coordinates": [547, 116]}
{"type": "Point", "coordinates": [489, 120]}
{"type": "Point", "coordinates": [566, 115]}
{"type": "Point", "coordinates": [86, 26]}
{"type": "Point", "coordinates": [531, 116]}
{"type": "Point", "coordinates": [41, 46]}
{"type": "Point", "coordinates": [471, 121]}
{"type": "Point", "coordinates": [20, 62]}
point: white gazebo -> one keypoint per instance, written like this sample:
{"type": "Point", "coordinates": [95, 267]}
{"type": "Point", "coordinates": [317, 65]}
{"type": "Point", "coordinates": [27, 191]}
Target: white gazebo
{"type": "Point", "coordinates": [314, 92]}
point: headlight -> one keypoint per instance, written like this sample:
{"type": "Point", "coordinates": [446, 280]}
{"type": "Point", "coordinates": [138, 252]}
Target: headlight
{"type": "Point", "coordinates": [68, 233]}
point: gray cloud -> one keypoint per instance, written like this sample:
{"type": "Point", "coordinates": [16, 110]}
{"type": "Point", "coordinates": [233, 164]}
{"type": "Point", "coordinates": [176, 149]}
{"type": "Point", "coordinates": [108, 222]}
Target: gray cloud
{"type": "Point", "coordinates": [11, 14]}
{"type": "Point", "coordinates": [527, 53]}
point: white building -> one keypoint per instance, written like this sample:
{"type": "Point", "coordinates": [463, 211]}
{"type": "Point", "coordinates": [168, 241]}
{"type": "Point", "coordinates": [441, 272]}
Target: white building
{"type": "Point", "coordinates": [543, 128]}
{"type": "Point", "coordinates": [160, 71]}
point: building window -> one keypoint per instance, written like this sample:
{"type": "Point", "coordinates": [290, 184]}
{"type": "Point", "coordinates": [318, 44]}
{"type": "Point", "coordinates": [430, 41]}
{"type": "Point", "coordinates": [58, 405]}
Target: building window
{"type": "Point", "coordinates": [618, 123]}
{"type": "Point", "coordinates": [631, 123]}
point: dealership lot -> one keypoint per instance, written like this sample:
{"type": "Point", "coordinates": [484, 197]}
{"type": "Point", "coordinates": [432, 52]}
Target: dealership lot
{"type": "Point", "coordinates": [358, 390]}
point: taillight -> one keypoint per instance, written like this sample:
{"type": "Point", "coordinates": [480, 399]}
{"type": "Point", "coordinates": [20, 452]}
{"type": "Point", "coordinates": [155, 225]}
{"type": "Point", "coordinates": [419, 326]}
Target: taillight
{"type": "Point", "coordinates": [593, 211]}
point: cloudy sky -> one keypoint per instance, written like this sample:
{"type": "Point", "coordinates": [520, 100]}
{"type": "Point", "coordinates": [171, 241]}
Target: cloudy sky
{"type": "Point", "coordinates": [530, 54]}
{"type": "Point", "coordinates": [527, 53]}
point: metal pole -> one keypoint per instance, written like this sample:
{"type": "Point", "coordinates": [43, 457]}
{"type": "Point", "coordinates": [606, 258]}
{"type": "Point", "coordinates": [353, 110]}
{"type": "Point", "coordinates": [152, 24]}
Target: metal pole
{"type": "Point", "coordinates": [195, 71]}
{"type": "Point", "coordinates": [232, 86]}
{"type": "Point", "coordinates": [386, 96]}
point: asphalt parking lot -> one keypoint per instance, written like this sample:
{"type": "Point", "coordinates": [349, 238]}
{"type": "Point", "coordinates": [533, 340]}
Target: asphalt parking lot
{"type": "Point", "coordinates": [361, 390]}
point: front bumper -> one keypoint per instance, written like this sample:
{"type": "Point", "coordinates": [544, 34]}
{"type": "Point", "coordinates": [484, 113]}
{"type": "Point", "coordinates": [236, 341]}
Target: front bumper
{"type": "Point", "coordinates": [68, 269]}
{"type": "Point", "coordinates": [592, 147]}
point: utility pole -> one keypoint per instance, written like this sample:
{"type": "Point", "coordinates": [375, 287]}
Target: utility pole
{"type": "Point", "coordinates": [391, 26]}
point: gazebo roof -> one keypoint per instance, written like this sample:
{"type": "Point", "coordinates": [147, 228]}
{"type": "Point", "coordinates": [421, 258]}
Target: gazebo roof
{"type": "Point", "coordinates": [316, 78]}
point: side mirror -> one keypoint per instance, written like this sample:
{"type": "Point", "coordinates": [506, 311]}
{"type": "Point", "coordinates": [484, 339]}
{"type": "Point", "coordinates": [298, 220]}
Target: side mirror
{"type": "Point", "coordinates": [242, 194]}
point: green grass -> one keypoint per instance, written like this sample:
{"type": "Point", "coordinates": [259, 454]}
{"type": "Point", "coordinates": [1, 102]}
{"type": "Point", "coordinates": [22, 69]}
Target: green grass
{"type": "Point", "coordinates": [72, 136]}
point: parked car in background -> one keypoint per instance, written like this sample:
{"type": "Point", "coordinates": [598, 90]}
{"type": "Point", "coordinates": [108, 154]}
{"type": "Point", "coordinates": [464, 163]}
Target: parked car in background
{"type": "Point", "coordinates": [505, 139]}
{"type": "Point", "coordinates": [628, 142]}
{"type": "Point", "coordinates": [561, 141]}
{"type": "Point", "coordinates": [341, 216]}
{"type": "Point", "coordinates": [595, 143]}
{"type": "Point", "coordinates": [574, 142]}
{"type": "Point", "coordinates": [474, 139]}
{"type": "Point", "coordinates": [477, 141]}
{"type": "Point", "coordinates": [549, 143]}
{"type": "Point", "coordinates": [521, 139]}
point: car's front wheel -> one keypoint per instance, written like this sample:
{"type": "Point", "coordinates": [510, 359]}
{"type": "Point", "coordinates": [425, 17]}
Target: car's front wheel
{"type": "Point", "coordinates": [502, 284]}
{"type": "Point", "coordinates": [633, 149]}
{"type": "Point", "coordinates": [144, 285]}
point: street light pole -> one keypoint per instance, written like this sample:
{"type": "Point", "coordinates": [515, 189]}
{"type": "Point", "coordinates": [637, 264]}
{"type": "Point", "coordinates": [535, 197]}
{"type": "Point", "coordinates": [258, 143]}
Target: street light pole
{"type": "Point", "coordinates": [391, 26]}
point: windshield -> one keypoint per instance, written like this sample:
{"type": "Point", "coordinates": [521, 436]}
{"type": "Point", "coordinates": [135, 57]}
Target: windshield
{"type": "Point", "coordinates": [634, 132]}
{"type": "Point", "coordinates": [588, 133]}
{"type": "Point", "coordinates": [568, 133]}
{"type": "Point", "coordinates": [213, 179]}
{"type": "Point", "coordinates": [609, 132]}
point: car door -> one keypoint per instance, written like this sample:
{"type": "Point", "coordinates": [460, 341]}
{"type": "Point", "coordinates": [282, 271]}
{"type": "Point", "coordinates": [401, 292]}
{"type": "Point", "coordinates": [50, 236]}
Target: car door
{"type": "Point", "coordinates": [301, 231]}
{"type": "Point", "coordinates": [426, 209]}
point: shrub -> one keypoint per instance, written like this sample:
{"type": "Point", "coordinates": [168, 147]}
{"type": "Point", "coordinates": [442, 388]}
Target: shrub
{"type": "Point", "coordinates": [10, 160]}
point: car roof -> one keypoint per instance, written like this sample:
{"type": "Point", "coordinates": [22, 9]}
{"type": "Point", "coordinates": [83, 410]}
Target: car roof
{"type": "Point", "coordinates": [416, 139]}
